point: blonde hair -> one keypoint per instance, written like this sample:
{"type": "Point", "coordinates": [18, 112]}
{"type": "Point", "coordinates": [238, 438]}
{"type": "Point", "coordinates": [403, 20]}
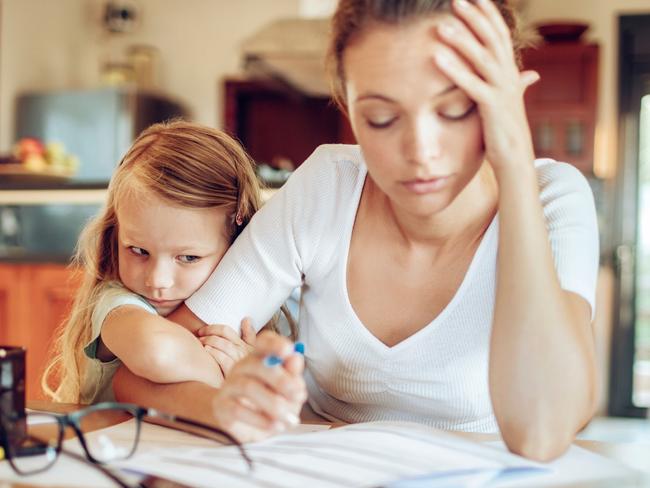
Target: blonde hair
{"type": "Point", "coordinates": [183, 163]}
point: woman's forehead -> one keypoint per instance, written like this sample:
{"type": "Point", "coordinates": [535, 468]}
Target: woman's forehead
{"type": "Point", "coordinates": [394, 59]}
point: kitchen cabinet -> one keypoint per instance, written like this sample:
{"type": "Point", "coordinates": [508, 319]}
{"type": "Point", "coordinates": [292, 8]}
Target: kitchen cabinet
{"type": "Point", "coordinates": [562, 106]}
{"type": "Point", "coordinates": [275, 122]}
{"type": "Point", "coordinates": [34, 299]}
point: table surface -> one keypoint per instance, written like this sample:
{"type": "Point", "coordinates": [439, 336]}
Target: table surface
{"type": "Point", "coordinates": [634, 455]}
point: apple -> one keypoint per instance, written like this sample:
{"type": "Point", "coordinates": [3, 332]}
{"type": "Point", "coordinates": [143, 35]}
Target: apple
{"type": "Point", "coordinates": [28, 146]}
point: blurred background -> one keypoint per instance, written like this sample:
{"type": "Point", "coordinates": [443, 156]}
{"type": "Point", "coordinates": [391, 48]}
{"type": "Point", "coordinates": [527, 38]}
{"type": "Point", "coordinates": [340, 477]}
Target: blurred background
{"type": "Point", "coordinates": [79, 79]}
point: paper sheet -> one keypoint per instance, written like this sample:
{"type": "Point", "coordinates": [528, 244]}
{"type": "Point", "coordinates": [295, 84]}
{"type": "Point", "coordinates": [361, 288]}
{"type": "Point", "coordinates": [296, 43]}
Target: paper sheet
{"type": "Point", "coordinates": [364, 455]}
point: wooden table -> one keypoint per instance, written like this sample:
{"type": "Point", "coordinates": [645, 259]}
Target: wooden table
{"type": "Point", "coordinates": [633, 455]}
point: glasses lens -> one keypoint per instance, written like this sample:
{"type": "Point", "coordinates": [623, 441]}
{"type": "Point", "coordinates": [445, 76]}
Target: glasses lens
{"type": "Point", "coordinates": [112, 444]}
{"type": "Point", "coordinates": [33, 443]}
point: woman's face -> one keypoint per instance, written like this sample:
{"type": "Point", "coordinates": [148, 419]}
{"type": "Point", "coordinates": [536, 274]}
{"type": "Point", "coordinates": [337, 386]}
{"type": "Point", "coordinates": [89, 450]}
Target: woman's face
{"type": "Point", "coordinates": [420, 135]}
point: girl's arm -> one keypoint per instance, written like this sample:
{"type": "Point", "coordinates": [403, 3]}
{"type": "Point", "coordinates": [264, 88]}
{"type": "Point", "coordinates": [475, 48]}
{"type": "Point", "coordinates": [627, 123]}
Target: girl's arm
{"type": "Point", "coordinates": [542, 366]}
{"type": "Point", "coordinates": [157, 349]}
{"type": "Point", "coordinates": [274, 395]}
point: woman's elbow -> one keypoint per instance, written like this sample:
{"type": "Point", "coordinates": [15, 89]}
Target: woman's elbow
{"type": "Point", "coordinates": [539, 443]}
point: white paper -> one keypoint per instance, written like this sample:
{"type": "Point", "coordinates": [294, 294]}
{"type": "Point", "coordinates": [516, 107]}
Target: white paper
{"type": "Point", "coordinates": [364, 455]}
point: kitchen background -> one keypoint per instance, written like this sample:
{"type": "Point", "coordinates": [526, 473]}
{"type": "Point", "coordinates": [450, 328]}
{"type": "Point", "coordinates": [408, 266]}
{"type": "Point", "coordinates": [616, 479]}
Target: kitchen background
{"type": "Point", "coordinates": [91, 73]}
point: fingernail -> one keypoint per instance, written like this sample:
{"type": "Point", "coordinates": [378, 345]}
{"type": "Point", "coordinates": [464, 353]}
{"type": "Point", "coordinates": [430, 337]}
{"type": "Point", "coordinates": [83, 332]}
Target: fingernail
{"type": "Point", "coordinates": [462, 3]}
{"type": "Point", "coordinates": [299, 347]}
{"type": "Point", "coordinates": [291, 419]}
{"type": "Point", "coordinates": [270, 361]}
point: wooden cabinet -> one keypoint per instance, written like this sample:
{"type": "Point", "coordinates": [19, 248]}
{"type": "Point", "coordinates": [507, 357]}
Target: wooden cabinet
{"type": "Point", "coordinates": [34, 299]}
{"type": "Point", "coordinates": [561, 107]}
{"type": "Point", "coordinates": [275, 122]}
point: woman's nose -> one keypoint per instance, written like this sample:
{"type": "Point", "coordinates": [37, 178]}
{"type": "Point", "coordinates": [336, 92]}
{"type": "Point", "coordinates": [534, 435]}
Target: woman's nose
{"type": "Point", "coordinates": [160, 275]}
{"type": "Point", "coordinates": [422, 141]}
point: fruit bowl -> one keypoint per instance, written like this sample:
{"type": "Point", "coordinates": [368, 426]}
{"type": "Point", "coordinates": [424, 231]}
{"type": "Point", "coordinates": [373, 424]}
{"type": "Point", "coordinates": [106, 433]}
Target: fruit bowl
{"type": "Point", "coordinates": [562, 31]}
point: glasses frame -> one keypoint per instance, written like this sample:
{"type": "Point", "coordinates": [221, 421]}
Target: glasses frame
{"type": "Point", "coordinates": [73, 420]}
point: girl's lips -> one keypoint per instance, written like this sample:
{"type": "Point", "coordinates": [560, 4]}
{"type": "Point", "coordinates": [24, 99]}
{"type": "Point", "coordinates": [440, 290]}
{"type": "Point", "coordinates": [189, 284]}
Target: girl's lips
{"type": "Point", "coordinates": [162, 303]}
{"type": "Point", "coordinates": [421, 187]}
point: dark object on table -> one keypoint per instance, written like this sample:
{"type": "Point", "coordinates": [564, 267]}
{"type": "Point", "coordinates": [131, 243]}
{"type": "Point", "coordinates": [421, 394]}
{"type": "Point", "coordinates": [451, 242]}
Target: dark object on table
{"type": "Point", "coordinates": [562, 31]}
{"type": "Point", "coordinates": [12, 392]}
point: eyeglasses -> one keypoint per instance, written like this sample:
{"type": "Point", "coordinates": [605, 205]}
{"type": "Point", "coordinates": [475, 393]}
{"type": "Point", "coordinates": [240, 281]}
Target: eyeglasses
{"type": "Point", "coordinates": [32, 444]}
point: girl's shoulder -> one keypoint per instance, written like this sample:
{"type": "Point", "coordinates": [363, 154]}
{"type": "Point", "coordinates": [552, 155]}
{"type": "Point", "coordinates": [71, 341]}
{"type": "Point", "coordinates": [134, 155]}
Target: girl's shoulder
{"type": "Point", "coordinates": [113, 294]}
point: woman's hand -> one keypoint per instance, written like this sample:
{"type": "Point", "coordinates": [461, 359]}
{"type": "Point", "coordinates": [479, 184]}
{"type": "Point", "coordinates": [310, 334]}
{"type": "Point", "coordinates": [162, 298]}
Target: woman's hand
{"type": "Point", "coordinates": [225, 346]}
{"type": "Point", "coordinates": [477, 55]}
{"type": "Point", "coordinates": [256, 400]}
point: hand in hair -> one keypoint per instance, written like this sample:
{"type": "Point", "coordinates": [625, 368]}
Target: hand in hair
{"type": "Point", "coordinates": [257, 401]}
{"type": "Point", "coordinates": [477, 55]}
{"type": "Point", "coordinates": [225, 346]}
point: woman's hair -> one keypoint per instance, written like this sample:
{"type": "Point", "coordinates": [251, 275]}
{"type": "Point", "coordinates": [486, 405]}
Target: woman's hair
{"type": "Point", "coordinates": [352, 17]}
{"type": "Point", "coordinates": [182, 163]}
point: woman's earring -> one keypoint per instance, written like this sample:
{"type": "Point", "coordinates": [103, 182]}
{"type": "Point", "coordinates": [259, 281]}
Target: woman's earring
{"type": "Point", "coordinates": [239, 220]}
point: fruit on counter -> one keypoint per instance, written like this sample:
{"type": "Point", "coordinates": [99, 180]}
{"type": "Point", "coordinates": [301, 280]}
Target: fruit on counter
{"type": "Point", "coordinates": [39, 157]}
{"type": "Point", "coordinates": [28, 146]}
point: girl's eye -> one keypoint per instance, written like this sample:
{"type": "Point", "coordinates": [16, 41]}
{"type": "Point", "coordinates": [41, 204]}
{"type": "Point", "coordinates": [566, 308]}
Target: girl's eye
{"type": "Point", "coordinates": [138, 251]}
{"type": "Point", "coordinates": [188, 259]}
{"type": "Point", "coordinates": [458, 112]}
{"type": "Point", "coordinates": [380, 123]}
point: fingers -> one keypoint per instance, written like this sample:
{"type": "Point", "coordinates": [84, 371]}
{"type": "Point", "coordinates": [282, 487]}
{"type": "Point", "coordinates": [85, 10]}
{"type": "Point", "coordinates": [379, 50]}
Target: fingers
{"type": "Point", "coordinates": [248, 334]}
{"type": "Point", "coordinates": [455, 34]}
{"type": "Point", "coordinates": [257, 397]}
{"type": "Point", "coordinates": [278, 379]}
{"type": "Point", "coordinates": [477, 21]}
{"type": "Point", "coordinates": [461, 74]}
{"type": "Point", "coordinates": [222, 331]}
{"type": "Point", "coordinates": [528, 78]}
{"type": "Point", "coordinates": [269, 343]}
{"type": "Point", "coordinates": [224, 361]}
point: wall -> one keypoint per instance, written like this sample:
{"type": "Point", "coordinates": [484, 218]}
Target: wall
{"type": "Point", "coordinates": [602, 15]}
{"type": "Point", "coordinates": [60, 44]}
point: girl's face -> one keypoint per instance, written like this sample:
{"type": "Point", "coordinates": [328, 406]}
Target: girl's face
{"type": "Point", "coordinates": [167, 252]}
{"type": "Point", "coordinates": [420, 135]}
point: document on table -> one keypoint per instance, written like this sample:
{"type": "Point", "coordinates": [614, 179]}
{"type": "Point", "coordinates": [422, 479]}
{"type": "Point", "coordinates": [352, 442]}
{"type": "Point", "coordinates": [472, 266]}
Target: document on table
{"type": "Point", "coordinates": [399, 455]}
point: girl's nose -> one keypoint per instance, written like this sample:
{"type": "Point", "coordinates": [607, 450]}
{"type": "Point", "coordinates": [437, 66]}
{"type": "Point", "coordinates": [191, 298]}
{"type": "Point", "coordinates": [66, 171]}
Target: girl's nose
{"type": "Point", "coordinates": [160, 275]}
{"type": "Point", "coordinates": [422, 141]}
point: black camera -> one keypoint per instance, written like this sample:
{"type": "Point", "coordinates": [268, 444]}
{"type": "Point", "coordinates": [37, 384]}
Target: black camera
{"type": "Point", "coordinates": [13, 419]}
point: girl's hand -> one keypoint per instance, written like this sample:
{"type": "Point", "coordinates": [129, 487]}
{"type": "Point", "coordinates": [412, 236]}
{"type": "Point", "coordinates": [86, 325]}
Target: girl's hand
{"type": "Point", "coordinates": [257, 401]}
{"type": "Point", "coordinates": [225, 346]}
{"type": "Point", "coordinates": [477, 55]}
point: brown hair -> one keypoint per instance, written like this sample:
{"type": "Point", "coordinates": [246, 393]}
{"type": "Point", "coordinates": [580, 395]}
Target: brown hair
{"type": "Point", "coordinates": [353, 16]}
{"type": "Point", "coordinates": [183, 163]}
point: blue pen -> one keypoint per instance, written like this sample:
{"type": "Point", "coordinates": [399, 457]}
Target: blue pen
{"type": "Point", "coordinates": [274, 360]}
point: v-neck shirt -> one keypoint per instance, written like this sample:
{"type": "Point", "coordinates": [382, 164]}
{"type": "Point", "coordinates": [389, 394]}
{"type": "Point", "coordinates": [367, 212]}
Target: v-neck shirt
{"type": "Point", "coordinates": [438, 375]}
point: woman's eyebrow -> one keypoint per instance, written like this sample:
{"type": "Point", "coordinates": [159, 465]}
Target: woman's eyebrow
{"type": "Point", "coordinates": [379, 96]}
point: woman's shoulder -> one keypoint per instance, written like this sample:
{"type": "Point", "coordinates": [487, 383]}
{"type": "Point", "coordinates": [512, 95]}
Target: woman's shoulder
{"type": "Point", "coordinates": [330, 173]}
{"type": "Point", "coordinates": [557, 179]}
{"type": "Point", "coordinates": [563, 191]}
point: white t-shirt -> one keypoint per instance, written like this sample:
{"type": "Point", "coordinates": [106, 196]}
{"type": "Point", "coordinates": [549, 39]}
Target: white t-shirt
{"type": "Point", "coordinates": [96, 385]}
{"type": "Point", "coordinates": [437, 376]}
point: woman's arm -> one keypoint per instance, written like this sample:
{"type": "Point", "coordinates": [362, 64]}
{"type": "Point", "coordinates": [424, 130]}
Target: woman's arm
{"type": "Point", "coordinates": [542, 358]}
{"type": "Point", "coordinates": [542, 367]}
{"type": "Point", "coordinates": [273, 395]}
{"type": "Point", "coordinates": [157, 349]}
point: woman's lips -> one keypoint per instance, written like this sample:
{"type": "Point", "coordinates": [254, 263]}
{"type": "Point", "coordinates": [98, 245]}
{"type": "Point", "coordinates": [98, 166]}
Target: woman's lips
{"type": "Point", "coordinates": [428, 185]}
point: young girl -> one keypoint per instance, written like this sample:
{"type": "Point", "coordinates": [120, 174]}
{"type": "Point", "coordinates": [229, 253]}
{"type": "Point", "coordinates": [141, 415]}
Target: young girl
{"type": "Point", "coordinates": [178, 199]}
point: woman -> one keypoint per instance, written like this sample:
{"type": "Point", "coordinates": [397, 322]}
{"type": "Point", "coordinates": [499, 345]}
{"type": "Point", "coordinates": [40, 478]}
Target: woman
{"type": "Point", "coordinates": [447, 277]}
